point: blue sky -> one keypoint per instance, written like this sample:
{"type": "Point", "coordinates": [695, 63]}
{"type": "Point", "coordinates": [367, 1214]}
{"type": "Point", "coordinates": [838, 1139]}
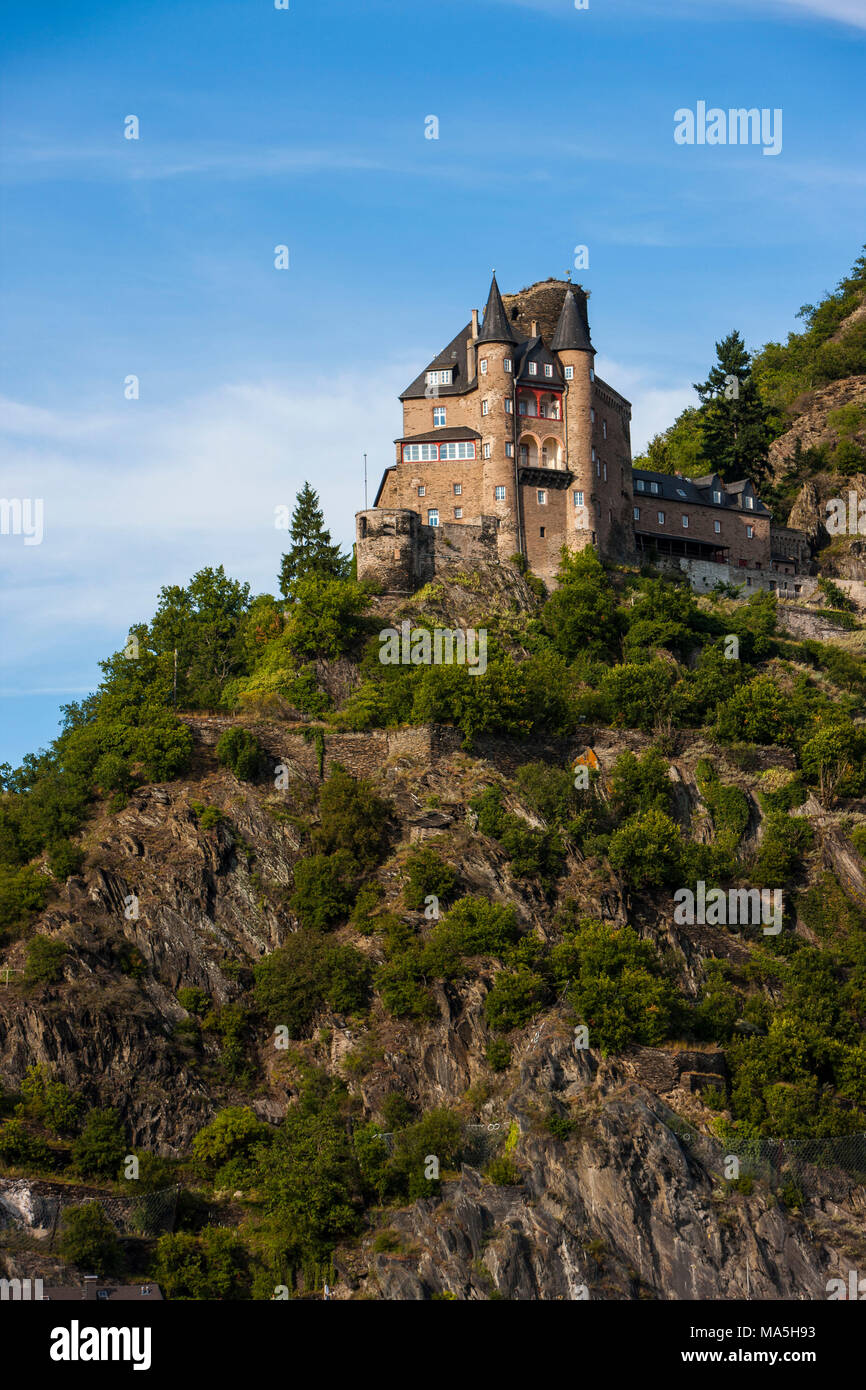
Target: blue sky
{"type": "Point", "coordinates": [306, 127]}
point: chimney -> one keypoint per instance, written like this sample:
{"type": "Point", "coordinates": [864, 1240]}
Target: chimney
{"type": "Point", "coordinates": [471, 350]}
{"type": "Point", "coordinates": [534, 333]}
{"type": "Point", "coordinates": [90, 1282]}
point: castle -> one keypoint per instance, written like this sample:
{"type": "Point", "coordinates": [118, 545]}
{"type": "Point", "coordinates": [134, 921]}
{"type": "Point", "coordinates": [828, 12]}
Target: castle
{"type": "Point", "coordinates": [512, 444]}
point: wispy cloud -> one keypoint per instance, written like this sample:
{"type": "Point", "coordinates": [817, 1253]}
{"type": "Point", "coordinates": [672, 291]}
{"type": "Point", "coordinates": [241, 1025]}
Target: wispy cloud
{"type": "Point", "coordinates": [850, 12]}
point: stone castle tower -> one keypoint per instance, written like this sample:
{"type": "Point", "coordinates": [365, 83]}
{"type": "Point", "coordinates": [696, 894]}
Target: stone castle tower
{"type": "Point", "coordinates": [508, 433]}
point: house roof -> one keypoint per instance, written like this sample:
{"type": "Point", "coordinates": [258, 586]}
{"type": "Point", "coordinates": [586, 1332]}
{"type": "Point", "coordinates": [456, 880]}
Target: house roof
{"type": "Point", "coordinates": [453, 356]}
{"type": "Point", "coordinates": [698, 491]}
{"type": "Point", "coordinates": [444, 432]}
{"type": "Point", "coordinates": [495, 327]}
{"type": "Point", "coordinates": [97, 1291]}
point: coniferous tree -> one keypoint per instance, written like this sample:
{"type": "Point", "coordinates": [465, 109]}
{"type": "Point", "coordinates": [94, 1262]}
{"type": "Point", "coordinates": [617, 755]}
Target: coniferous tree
{"type": "Point", "coordinates": [734, 419]}
{"type": "Point", "coordinates": [311, 555]}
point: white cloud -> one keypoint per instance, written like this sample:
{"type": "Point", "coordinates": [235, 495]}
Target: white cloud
{"type": "Point", "coordinates": [654, 405]}
{"type": "Point", "coordinates": [141, 497]}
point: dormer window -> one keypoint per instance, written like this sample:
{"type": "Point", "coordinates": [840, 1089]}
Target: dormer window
{"type": "Point", "coordinates": [548, 369]}
{"type": "Point", "coordinates": [749, 501]}
{"type": "Point", "coordinates": [717, 498]}
{"type": "Point", "coordinates": [439, 416]}
{"type": "Point", "coordinates": [439, 378]}
{"type": "Point", "coordinates": [639, 484]}
{"type": "Point", "coordinates": [533, 369]}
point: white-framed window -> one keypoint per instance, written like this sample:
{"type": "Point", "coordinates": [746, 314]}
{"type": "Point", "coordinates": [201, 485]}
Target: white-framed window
{"type": "Point", "coordinates": [420, 453]}
{"type": "Point", "coordinates": [717, 527]}
{"type": "Point", "coordinates": [569, 374]}
{"type": "Point", "coordinates": [654, 487]}
{"type": "Point", "coordinates": [548, 369]}
{"type": "Point", "coordinates": [604, 429]}
{"type": "Point", "coordinates": [485, 407]}
{"type": "Point", "coordinates": [499, 494]}
{"type": "Point", "coordinates": [439, 415]}
{"type": "Point", "coordinates": [485, 451]}
{"type": "Point", "coordinates": [433, 516]}
{"type": "Point", "coordinates": [717, 498]}
{"type": "Point", "coordinates": [591, 415]}
{"type": "Point", "coordinates": [750, 531]}
{"type": "Point", "coordinates": [749, 501]}
{"type": "Point", "coordinates": [685, 523]}
{"type": "Point", "coordinates": [458, 512]}
{"type": "Point", "coordinates": [578, 499]}
{"type": "Point", "coordinates": [482, 366]}
{"type": "Point", "coordinates": [506, 365]}
{"type": "Point", "coordinates": [636, 513]}
{"type": "Point", "coordinates": [422, 491]}
{"type": "Point", "coordinates": [460, 449]}
{"type": "Point", "coordinates": [509, 406]}
{"type": "Point", "coordinates": [639, 485]}
{"type": "Point", "coordinates": [661, 518]}
{"type": "Point", "coordinates": [533, 369]}
{"type": "Point", "coordinates": [542, 497]}
{"type": "Point", "coordinates": [458, 489]}
{"type": "Point", "coordinates": [439, 378]}
{"type": "Point", "coordinates": [604, 471]}
{"type": "Point", "coordinates": [509, 451]}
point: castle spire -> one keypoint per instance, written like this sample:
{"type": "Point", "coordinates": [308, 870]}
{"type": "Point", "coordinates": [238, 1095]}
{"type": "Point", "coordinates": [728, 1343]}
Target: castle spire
{"type": "Point", "coordinates": [495, 327]}
{"type": "Point", "coordinates": [572, 330]}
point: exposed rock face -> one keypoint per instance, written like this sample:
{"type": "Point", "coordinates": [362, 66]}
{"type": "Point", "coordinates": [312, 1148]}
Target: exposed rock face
{"type": "Point", "coordinates": [622, 1209]}
{"type": "Point", "coordinates": [811, 426]}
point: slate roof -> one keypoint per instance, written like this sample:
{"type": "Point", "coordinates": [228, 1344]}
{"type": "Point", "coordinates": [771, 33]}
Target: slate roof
{"type": "Point", "coordinates": [698, 491]}
{"type": "Point", "coordinates": [453, 356]}
{"type": "Point", "coordinates": [572, 330]}
{"type": "Point", "coordinates": [444, 432]}
{"type": "Point", "coordinates": [495, 327]}
{"type": "Point", "coordinates": [535, 350]}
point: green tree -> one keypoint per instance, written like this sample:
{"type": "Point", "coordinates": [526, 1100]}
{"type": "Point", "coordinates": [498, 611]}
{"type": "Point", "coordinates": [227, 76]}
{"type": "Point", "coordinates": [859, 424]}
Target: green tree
{"type": "Point", "coordinates": [735, 429]}
{"type": "Point", "coordinates": [311, 554]}
{"type": "Point", "coordinates": [211, 1266]}
{"type": "Point", "coordinates": [88, 1240]}
{"type": "Point", "coordinates": [100, 1147]}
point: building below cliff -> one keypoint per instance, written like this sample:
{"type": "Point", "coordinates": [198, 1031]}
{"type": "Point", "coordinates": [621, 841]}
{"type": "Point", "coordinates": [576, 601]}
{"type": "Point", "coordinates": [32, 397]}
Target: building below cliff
{"type": "Point", "coordinates": [512, 444]}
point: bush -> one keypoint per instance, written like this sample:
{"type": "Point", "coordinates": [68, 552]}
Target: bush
{"type": "Point", "coordinates": [101, 1146]}
{"type": "Point", "coordinates": [194, 1000]}
{"type": "Point", "coordinates": [401, 985]}
{"type": "Point", "coordinates": [210, 1266]}
{"type": "Point", "coordinates": [498, 1054]}
{"type": "Point", "coordinates": [428, 874]}
{"type": "Point", "coordinates": [240, 750]}
{"type": "Point", "coordinates": [21, 1149]}
{"type": "Point", "coordinates": [353, 819]}
{"type": "Point", "coordinates": [437, 1133]}
{"type": "Point", "coordinates": [45, 959]}
{"type": "Point", "coordinates": [299, 978]}
{"type": "Point", "coordinates": [727, 806]}
{"type": "Point", "coordinates": [473, 927]}
{"type": "Point", "coordinates": [515, 997]}
{"type": "Point", "coordinates": [647, 850]}
{"type": "Point", "coordinates": [786, 839]}
{"type": "Point", "coordinates": [231, 1134]}
{"type": "Point", "coordinates": [50, 1102]}
{"type": "Point", "coordinates": [88, 1240]}
{"type": "Point", "coordinates": [325, 888]}
{"type": "Point", "coordinates": [22, 892]}
{"type": "Point", "coordinates": [64, 858]}
{"type": "Point", "coordinates": [503, 1172]}
{"type": "Point", "coordinates": [640, 784]}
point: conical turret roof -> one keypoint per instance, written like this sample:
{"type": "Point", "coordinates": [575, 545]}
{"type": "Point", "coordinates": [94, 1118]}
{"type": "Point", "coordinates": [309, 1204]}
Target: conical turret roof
{"type": "Point", "coordinates": [572, 330]}
{"type": "Point", "coordinates": [495, 327]}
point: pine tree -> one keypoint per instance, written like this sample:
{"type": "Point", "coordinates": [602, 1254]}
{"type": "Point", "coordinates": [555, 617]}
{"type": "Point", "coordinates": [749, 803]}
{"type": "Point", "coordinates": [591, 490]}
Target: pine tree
{"type": "Point", "coordinates": [311, 554]}
{"type": "Point", "coordinates": [736, 435]}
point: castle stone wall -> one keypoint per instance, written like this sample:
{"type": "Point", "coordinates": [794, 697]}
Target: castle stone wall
{"type": "Point", "coordinates": [393, 547]}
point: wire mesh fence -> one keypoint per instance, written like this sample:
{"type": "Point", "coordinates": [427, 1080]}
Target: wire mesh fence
{"type": "Point", "coordinates": [829, 1166]}
{"type": "Point", "coordinates": [139, 1214]}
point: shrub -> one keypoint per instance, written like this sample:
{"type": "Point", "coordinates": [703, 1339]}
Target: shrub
{"type": "Point", "coordinates": [640, 784]}
{"type": "Point", "coordinates": [401, 985]}
{"type": "Point", "coordinates": [194, 1000]}
{"type": "Point", "coordinates": [549, 791]}
{"type": "Point", "coordinates": [473, 927]}
{"type": "Point", "coordinates": [101, 1146]}
{"type": "Point", "coordinates": [498, 1054]}
{"type": "Point", "coordinates": [45, 959]}
{"type": "Point", "coordinates": [503, 1172]}
{"type": "Point", "coordinates": [240, 750]}
{"type": "Point", "coordinates": [299, 978]}
{"type": "Point", "coordinates": [21, 1149]}
{"type": "Point", "coordinates": [212, 1265]}
{"type": "Point", "coordinates": [22, 892]}
{"type": "Point", "coordinates": [353, 819]}
{"type": "Point", "coordinates": [727, 806]}
{"type": "Point", "coordinates": [64, 858]}
{"type": "Point", "coordinates": [437, 1133]}
{"type": "Point", "coordinates": [786, 839]}
{"type": "Point", "coordinates": [231, 1134]}
{"type": "Point", "coordinates": [50, 1102]}
{"type": "Point", "coordinates": [427, 874]}
{"type": "Point", "coordinates": [514, 998]}
{"type": "Point", "coordinates": [647, 850]}
{"type": "Point", "coordinates": [325, 887]}
{"type": "Point", "coordinates": [88, 1240]}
